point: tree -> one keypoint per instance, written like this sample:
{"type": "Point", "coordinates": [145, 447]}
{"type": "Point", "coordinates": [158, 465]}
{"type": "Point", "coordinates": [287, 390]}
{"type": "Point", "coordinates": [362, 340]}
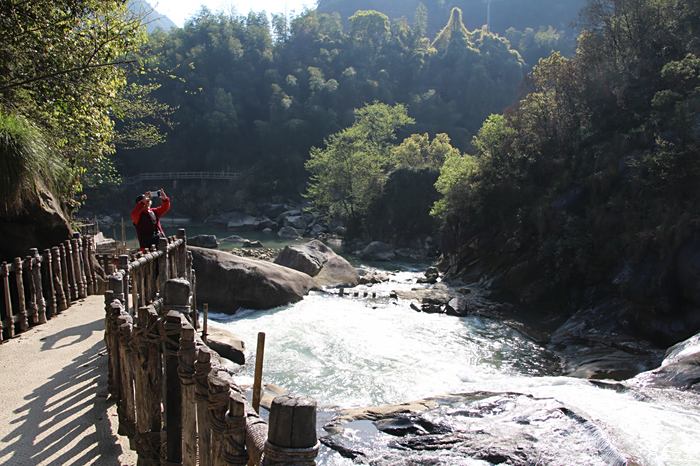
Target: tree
{"type": "Point", "coordinates": [63, 66]}
{"type": "Point", "coordinates": [350, 171]}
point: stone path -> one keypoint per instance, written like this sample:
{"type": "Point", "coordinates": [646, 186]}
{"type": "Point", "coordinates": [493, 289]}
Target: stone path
{"type": "Point", "coordinates": [53, 394]}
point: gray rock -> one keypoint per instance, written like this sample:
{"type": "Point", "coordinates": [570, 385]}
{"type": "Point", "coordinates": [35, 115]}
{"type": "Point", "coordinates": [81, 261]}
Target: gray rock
{"type": "Point", "coordinates": [679, 369]}
{"type": "Point", "coordinates": [203, 241]}
{"type": "Point", "coordinates": [376, 250]}
{"type": "Point", "coordinates": [317, 230]}
{"type": "Point", "coordinates": [226, 344]}
{"type": "Point", "coordinates": [457, 307]}
{"type": "Point", "coordinates": [499, 428]}
{"type": "Point", "coordinates": [431, 276]}
{"type": "Point", "coordinates": [295, 221]}
{"type": "Point", "coordinates": [321, 262]}
{"type": "Point", "coordinates": [288, 233]}
{"type": "Point", "coordinates": [239, 221]}
{"type": "Point", "coordinates": [252, 244]}
{"type": "Point", "coordinates": [228, 282]}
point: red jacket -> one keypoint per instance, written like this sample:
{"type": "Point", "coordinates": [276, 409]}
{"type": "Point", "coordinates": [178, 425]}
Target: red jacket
{"type": "Point", "coordinates": [147, 222]}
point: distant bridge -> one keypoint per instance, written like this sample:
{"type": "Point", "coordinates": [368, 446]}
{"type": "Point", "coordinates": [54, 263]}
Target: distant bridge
{"type": "Point", "coordinates": [174, 176]}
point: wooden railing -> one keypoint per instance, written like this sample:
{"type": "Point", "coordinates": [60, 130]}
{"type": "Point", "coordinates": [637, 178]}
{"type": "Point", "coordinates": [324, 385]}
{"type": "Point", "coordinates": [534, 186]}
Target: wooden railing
{"type": "Point", "coordinates": [176, 401]}
{"type": "Point", "coordinates": [40, 286]}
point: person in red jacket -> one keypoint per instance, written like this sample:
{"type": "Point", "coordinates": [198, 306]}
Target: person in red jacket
{"type": "Point", "coordinates": [147, 220]}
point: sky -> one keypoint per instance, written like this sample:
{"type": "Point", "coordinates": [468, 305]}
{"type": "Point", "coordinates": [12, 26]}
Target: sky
{"type": "Point", "coordinates": [179, 10]}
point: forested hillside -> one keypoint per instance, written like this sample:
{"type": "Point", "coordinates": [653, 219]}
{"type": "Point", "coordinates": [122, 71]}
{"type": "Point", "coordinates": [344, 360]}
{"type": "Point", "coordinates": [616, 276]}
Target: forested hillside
{"type": "Point", "coordinates": [534, 27]}
{"type": "Point", "coordinates": [588, 188]}
{"type": "Point", "coordinates": [252, 97]}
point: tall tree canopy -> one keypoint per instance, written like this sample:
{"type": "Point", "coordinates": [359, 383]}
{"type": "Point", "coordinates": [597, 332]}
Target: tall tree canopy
{"type": "Point", "coordinates": [62, 73]}
{"type": "Point", "coordinates": [254, 97]}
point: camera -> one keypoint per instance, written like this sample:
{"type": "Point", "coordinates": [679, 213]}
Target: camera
{"type": "Point", "coordinates": [154, 194]}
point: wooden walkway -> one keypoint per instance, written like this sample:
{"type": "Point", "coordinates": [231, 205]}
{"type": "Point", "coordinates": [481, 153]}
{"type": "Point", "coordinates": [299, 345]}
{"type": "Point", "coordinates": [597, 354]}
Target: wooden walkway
{"type": "Point", "coordinates": [53, 394]}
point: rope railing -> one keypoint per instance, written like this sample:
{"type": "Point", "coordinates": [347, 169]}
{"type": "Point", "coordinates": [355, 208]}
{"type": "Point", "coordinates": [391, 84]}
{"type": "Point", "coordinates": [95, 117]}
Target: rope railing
{"type": "Point", "coordinates": [177, 401]}
{"type": "Point", "coordinates": [42, 285]}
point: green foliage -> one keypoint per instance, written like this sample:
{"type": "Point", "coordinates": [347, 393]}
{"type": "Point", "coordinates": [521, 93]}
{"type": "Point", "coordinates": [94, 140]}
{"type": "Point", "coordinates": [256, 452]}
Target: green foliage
{"type": "Point", "coordinates": [248, 99]}
{"type": "Point", "coordinates": [602, 151]}
{"type": "Point", "coordinates": [25, 157]}
{"type": "Point", "coordinates": [418, 151]}
{"type": "Point", "coordinates": [348, 174]}
{"type": "Point", "coordinates": [63, 66]}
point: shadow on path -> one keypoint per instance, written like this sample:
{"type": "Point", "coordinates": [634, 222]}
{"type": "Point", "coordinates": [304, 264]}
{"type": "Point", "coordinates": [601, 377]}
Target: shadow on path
{"type": "Point", "coordinates": [64, 422]}
{"type": "Point", "coordinates": [80, 333]}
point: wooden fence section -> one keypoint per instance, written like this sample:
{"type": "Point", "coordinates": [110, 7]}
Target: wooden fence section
{"type": "Point", "coordinates": [41, 285]}
{"type": "Point", "coordinates": [175, 400]}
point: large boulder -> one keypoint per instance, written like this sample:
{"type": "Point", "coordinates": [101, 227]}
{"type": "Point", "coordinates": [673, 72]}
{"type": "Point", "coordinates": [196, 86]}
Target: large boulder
{"type": "Point", "coordinates": [379, 251]}
{"type": "Point", "coordinates": [228, 282]}
{"type": "Point", "coordinates": [41, 224]}
{"type": "Point", "coordinates": [288, 233]}
{"type": "Point", "coordinates": [226, 344]}
{"type": "Point", "coordinates": [203, 241]}
{"type": "Point", "coordinates": [321, 262]}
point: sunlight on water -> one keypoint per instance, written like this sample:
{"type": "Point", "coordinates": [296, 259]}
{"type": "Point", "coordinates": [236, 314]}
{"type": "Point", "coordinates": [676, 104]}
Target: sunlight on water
{"type": "Point", "coordinates": [350, 352]}
{"type": "Point", "coordinates": [342, 352]}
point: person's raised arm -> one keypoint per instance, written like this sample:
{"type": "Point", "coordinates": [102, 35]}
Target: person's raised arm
{"type": "Point", "coordinates": [164, 207]}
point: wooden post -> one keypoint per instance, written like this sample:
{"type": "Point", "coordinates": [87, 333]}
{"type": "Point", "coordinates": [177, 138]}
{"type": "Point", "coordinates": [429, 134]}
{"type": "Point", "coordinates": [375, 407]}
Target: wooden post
{"type": "Point", "coordinates": [124, 266]}
{"type": "Point", "coordinates": [202, 368]}
{"type": "Point", "coordinates": [114, 310]}
{"type": "Point", "coordinates": [58, 281]}
{"type": "Point", "coordinates": [195, 308]}
{"type": "Point", "coordinates": [291, 438]}
{"type": "Point", "coordinates": [219, 387]}
{"type": "Point", "coordinates": [9, 316]}
{"type": "Point", "coordinates": [86, 242]}
{"type": "Point", "coordinates": [177, 297]}
{"type": "Point", "coordinates": [38, 288]}
{"type": "Point", "coordinates": [30, 292]}
{"type": "Point", "coordinates": [205, 324]}
{"type": "Point", "coordinates": [234, 441]}
{"type": "Point", "coordinates": [123, 234]}
{"type": "Point", "coordinates": [67, 262]}
{"type": "Point", "coordinates": [173, 392]}
{"type": "Point", "coordinates": [80, 266]}
{"type": "Point", "coordinates": [257, 381]}
{"type": "Point", "coordinates": [182, 254]}
{"type": "Point", "coordinates": [21, 300]}
{"type": "Point", "coordinates": [163, 275]}
{"type": "Point", "coordinates": [47, 269]}
{"type": "Point", "coordinates": [126, 408]}
{"type": "Point", "coordinates": [148, 387]}
{"type": "Point", "coordinates": [187, 356]}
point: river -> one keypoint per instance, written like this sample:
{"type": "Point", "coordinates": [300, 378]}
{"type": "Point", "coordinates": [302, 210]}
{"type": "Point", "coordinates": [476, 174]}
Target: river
{"type": "Point", "coordinates": [348, 352]}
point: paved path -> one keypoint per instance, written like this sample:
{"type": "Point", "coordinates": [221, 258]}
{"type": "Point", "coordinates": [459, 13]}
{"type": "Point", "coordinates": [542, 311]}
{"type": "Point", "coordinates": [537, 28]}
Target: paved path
{"type": "Point", "coordinates": [53, 394]}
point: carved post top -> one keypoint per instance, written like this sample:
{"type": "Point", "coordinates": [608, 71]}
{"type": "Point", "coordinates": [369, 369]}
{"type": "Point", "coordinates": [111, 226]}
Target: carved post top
{"type": "Point", "coordinates": [177, 293]}
{"type": "Point", "coordinates": [163, 244]}
{"type": "Point", "coordinates": [76, 235]}
{"type": "Point", "coordinates": [124, 262]}
{"type": "Point", "coordinates": [33, 252]}
{"type": "Point", "coordinates": [17, 262]}
{"type": "Point", "coordinates": [4, 269]}
{"type": "Point", "coordinates": [181, 233]}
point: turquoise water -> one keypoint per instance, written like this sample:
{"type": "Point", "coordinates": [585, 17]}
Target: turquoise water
{"type": "Point", "coordinates": [269, 240]}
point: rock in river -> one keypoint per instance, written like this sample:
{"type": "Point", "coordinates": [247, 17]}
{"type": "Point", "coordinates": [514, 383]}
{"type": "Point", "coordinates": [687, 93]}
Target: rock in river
{"type": "Point", "coordinates": [203, 241]}
{"type": "Point", "coordinates": [318, 260]}
{"type": "Point", "coordinates": [228, 282]}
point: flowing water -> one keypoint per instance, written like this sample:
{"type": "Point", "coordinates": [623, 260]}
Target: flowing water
{"type": "Point", "coordinates": [359, 352]}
